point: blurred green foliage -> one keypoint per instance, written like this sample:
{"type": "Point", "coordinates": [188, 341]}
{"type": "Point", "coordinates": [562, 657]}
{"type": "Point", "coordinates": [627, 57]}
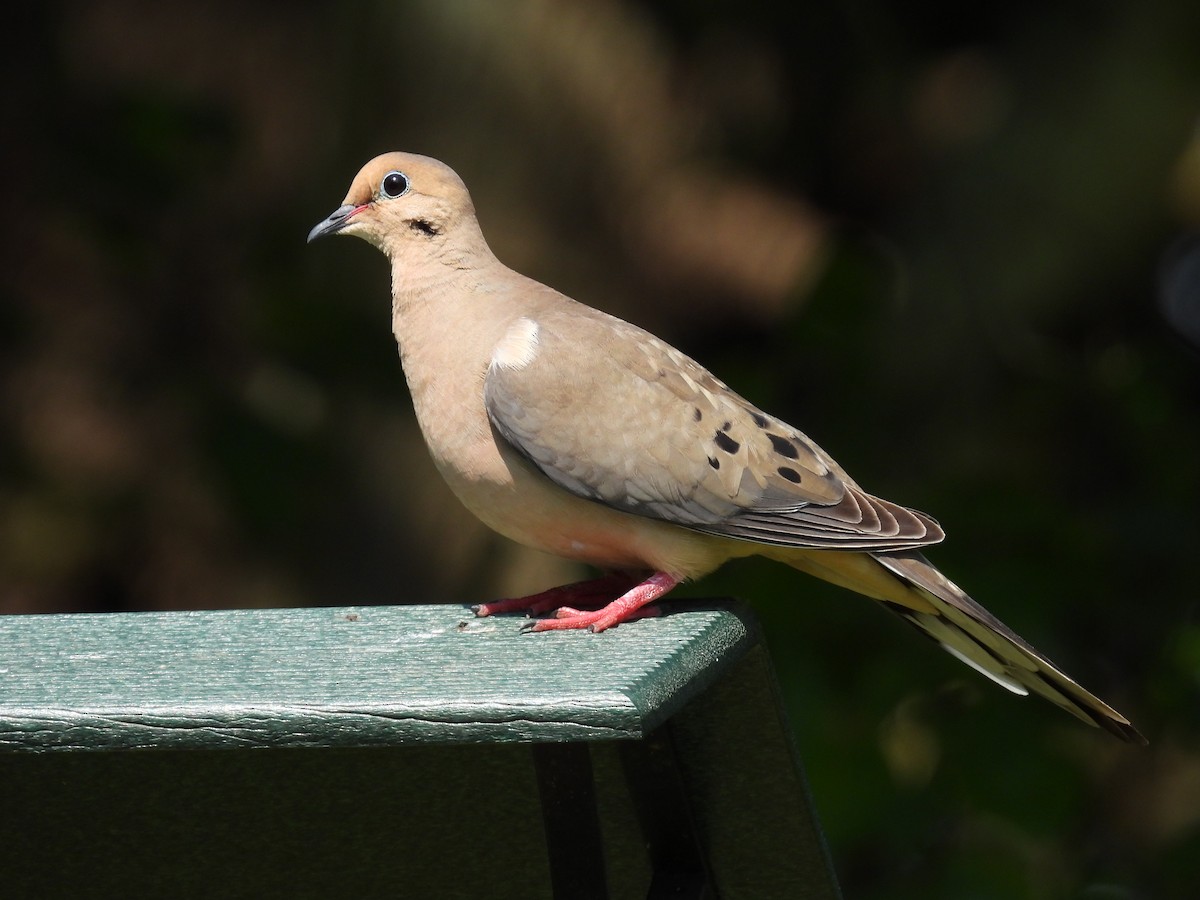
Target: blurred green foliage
{"type": "Point", "coordinates": [929, 235]}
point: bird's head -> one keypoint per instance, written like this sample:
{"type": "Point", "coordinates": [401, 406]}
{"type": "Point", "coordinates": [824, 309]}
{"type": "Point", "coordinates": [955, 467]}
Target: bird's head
{"type": "Point", "coordinates": [400, 202]}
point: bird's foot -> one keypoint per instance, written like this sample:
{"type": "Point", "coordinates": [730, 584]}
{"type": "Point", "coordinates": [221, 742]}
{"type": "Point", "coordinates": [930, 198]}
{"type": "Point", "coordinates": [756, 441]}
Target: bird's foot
{"type": "Point", "coordinates": [591, 593]}
{"type": "Point", "coordinates": [630, 605]}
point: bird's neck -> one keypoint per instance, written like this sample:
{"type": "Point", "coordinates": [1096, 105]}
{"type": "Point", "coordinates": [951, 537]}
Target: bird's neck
{"type": "Point", "coordinates": [432, 280]}
{"type": "Point", "coordinates": [446, 321]}
{"type": "Point", "coordinates": [446, 324]}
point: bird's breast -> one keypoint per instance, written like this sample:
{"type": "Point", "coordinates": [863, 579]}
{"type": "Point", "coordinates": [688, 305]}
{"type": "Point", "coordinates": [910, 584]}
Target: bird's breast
{"type": "Point", "coordinates": [446, 370]}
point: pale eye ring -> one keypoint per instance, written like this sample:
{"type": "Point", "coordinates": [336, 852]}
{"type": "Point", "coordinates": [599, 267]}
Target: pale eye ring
{"type": "Point", "coordinates": [394, 184]}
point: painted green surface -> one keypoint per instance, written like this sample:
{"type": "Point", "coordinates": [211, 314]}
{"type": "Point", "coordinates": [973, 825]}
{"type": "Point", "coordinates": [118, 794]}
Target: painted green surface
{"type": "Point", "coordinates": [345, 677]}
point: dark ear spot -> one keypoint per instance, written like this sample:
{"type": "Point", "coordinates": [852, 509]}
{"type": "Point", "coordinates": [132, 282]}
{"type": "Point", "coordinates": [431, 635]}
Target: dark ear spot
{"type": "Point", "coordinates": [424, 226]}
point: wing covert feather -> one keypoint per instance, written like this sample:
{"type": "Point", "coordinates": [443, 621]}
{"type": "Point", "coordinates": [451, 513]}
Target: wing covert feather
{"type": "Point", "coordinates": [614, 415]}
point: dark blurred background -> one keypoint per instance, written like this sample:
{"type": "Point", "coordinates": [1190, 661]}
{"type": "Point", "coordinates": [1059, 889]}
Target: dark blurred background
{"type": "Point", "coordinates": [950, 242]}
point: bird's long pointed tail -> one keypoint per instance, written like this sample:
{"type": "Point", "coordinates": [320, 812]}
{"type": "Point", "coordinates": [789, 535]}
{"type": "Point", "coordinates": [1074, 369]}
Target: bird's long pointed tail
{"type": "Point", "coordinates": [911, 586]}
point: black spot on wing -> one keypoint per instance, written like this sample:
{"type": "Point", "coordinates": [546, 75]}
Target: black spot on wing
{"type": "Point", "coordinates": [789, 473]}
{"type": "Point", "coordinates": [696, 414]}
{"type": "Point", "coordinates": [783, 446]}
{"type": "Point", "coordinates": [726, 443]}
{"type": "Point", "coordinates": [759, 419]}
{"type": "Point", "coordinates": [714, 462]}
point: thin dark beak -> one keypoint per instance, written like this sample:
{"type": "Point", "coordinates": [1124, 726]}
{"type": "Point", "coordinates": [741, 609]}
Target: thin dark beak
{"type": "Point", "coordinates": [338, 219]}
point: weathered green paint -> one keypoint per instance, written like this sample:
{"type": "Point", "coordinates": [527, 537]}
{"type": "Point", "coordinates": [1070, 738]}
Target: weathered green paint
{"type": "Point", "coordinates": [345, 677]}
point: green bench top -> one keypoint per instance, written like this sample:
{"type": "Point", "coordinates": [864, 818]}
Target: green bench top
{"type": "Point", "coordinates": [348, 677]}
{"type": "Point", "coordinates": [399, 751]}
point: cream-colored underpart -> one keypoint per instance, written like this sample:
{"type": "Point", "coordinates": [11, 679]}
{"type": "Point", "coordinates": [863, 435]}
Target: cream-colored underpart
{"type": "Point", "coordinates": [855, 571]}
{"type": "Point", "coordinates": [527, 507]}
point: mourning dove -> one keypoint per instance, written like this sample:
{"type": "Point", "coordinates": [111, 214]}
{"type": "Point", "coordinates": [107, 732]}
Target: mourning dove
{"type": "Point", "coordinates": [577, 433]}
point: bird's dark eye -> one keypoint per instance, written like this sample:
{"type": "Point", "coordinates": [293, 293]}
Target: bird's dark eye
{"type": "Point", "coordinates": [395, 184]}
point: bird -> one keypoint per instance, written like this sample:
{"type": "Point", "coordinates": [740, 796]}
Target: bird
{"type": "Point", "coordinates": [577, 433]}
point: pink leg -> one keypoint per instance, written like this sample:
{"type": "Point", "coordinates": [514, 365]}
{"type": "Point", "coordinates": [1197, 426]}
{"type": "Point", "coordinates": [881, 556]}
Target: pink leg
{"type": "Point", "coordinates": [567, 612]}
{"type": "Point", "coordinates": [594, 592]}
{"type": "Point", "coordinates": [622, 609]}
